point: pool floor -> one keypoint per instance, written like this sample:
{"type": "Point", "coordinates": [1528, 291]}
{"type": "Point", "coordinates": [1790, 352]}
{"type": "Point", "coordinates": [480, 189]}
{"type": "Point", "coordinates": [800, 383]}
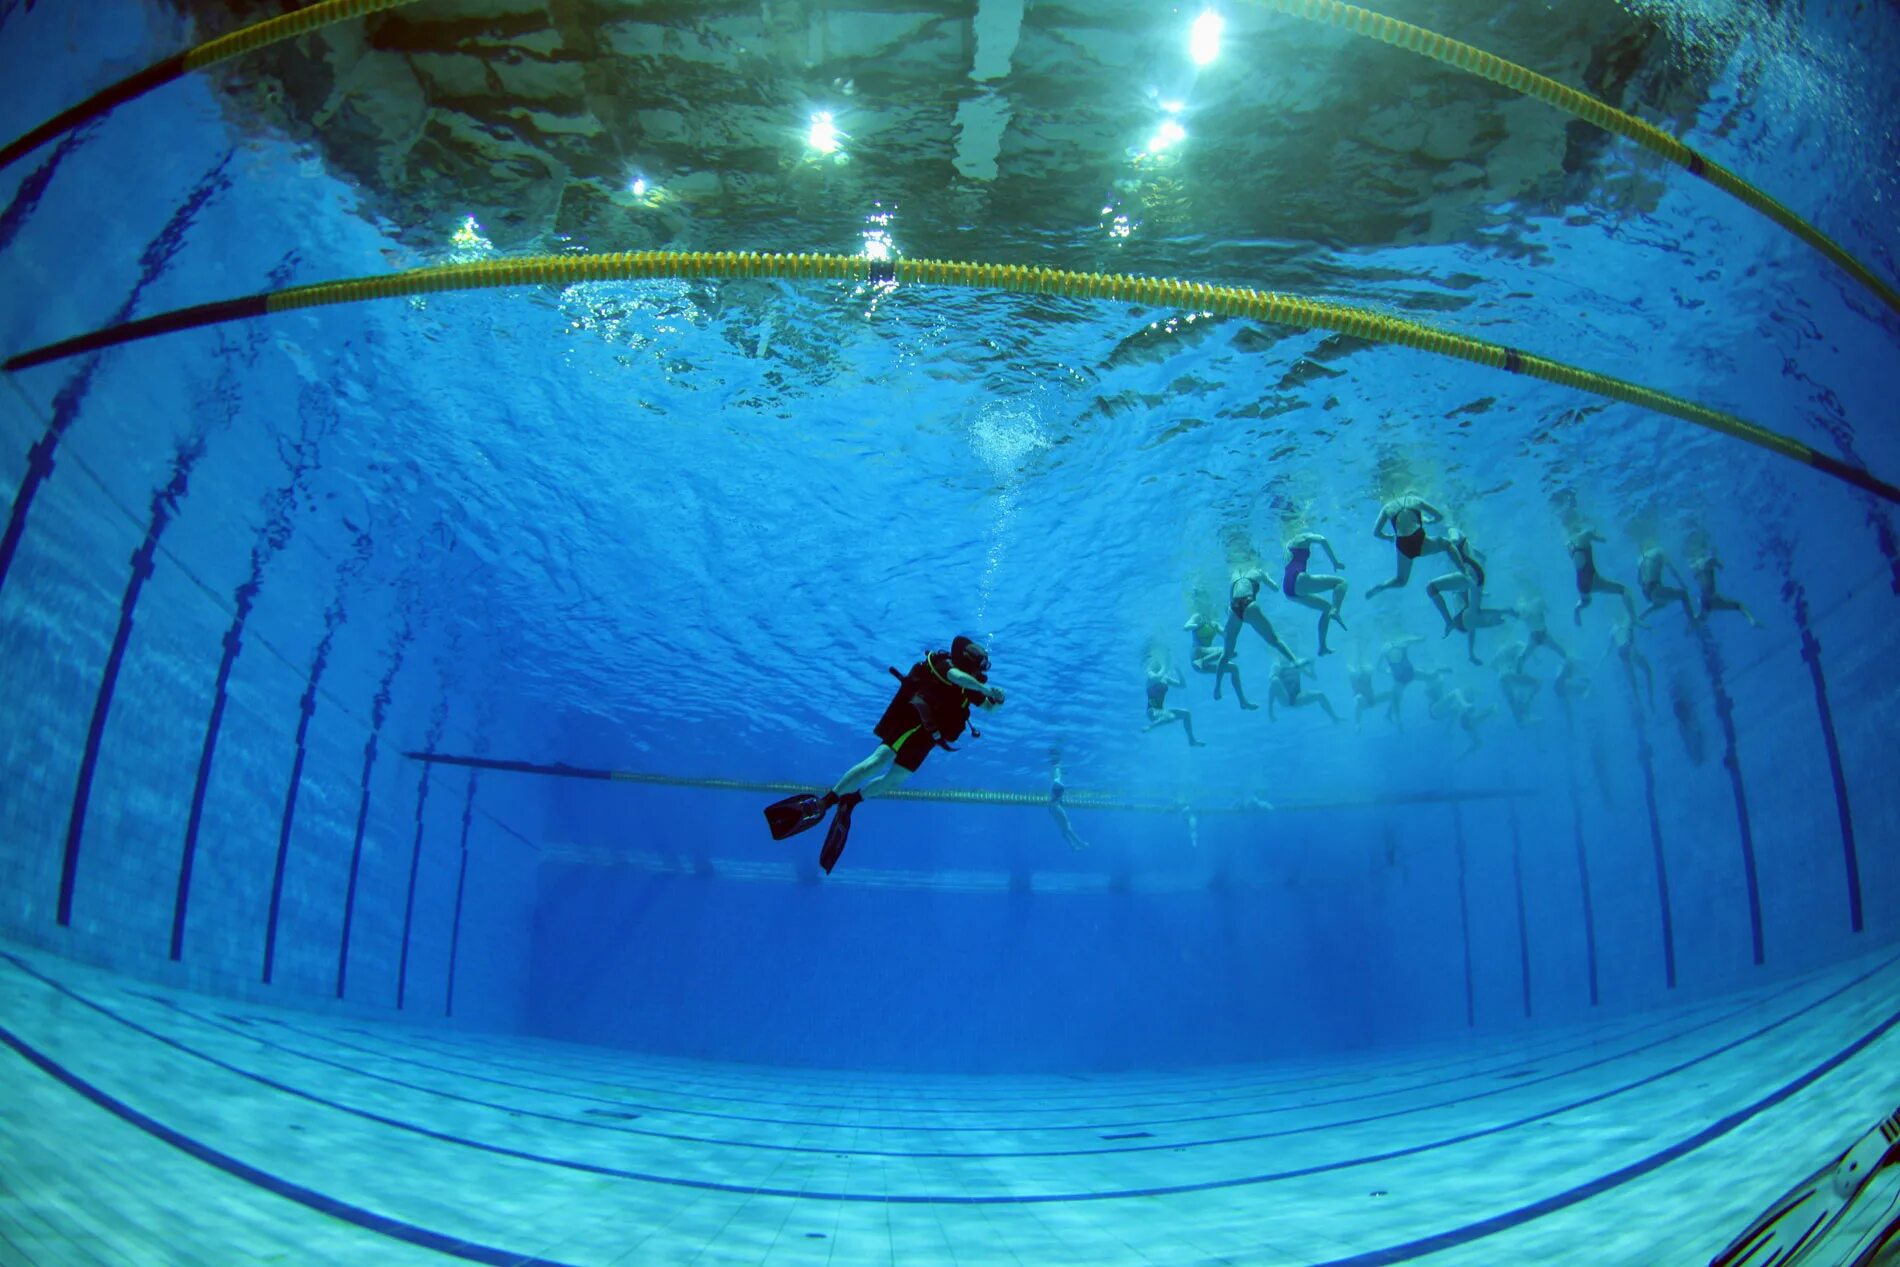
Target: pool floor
{"type": "Point", "coordinates": [143, 1125]}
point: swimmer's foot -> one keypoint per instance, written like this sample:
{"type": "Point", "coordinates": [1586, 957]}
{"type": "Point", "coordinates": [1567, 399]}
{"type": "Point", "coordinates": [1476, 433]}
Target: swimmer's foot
{"type": "Point", "coordinates": [1197, 743]}
{"type": "Point", "coordinates": [1252, 708]}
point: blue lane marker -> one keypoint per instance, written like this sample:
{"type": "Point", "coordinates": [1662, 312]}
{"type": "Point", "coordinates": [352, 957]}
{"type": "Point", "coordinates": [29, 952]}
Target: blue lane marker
{"type": "Point", "coordinates": [381, 1224]}
{"type": "Point", "coordinates": [153, 260]}
{"type": "Point", "coordinates": [1811, 652]}
{"type": "Point", "coordinates": [164, 505]}
{"type": "Point", "coordinates": [1399, 1253]}
{"type": "Point", "coordinates": [409, 906]}
{"type": "Point", "coordinates": [250, 1034]}
{"type": "Point", "coordinates": [1583, 878]}
{"type": "Point", "coordinates": [1731, 760]}
{"type": "Point", "coordinates": [278, 523]}
{"type": "Point", "coordinates": [1464, 911]}
{"type": "Point", "coordinates": [220, 693]}
{"type": "Point", "coordinates": [1646, 757]}
{"type": "Point", "coordinates": [461, 883]}
{"type": "Point", "coordinates": [1523, 923]}
{"type": "Point", "coordinates": [378, 712]}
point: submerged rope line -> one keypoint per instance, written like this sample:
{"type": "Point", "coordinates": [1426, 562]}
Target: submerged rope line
{"type": "Point", "coordinates": [1233, 301]}
{"type": "Point", "coordinates": [1526, 82]}
{"type": "Point", "coordinates": [248, 39]}
{"type": "Point", "coordinates": [958, 796]}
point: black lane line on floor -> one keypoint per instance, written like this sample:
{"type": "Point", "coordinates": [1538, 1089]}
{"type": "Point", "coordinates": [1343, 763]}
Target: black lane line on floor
{"type": "Point", "coordinates": [1464, 912]}
{"type": "Point", "coordinates": [985, 1128]}
{"type": "Point", "coordinates": [1616, 1178]}
{"type": "Point", "coordinates": [1646, 757]}
{"type": "Point", "coordinates": [997, 1128]}
{"type": "Point", "coordinates": [1523, 1057]}
{"type": "Point", "coordinates": [144, 561]}
{"type": "Point", "coordinates": [366, 1219]}
{"type": "Point", "coordinates": [1527, 1053]}
{"type": "Point", "coordinates": [379, 713]}
{"type": "Point", "coordinates": [1523, 922]}
{"type": "Point", "coordinates": [1732, 762]}
{"type": "Point", "coordinates": [461, 884]}
{"type": "Point", "coordinates": [1811, 652]}
{"type": "Point", "coordinates": [409, 903]}
{"type": "Point", "coordinates": [705, 1185]}
{"type": "Point", "coordinates": [856, 1127]}
{"type": "Point", "coordinates": [306, 708]}
{"type": "Point", "coordinates": [1583, 881]}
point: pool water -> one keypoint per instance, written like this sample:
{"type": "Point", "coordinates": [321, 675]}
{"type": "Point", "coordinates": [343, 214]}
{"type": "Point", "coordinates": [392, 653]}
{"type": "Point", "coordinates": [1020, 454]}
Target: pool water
{"type": "Point", "coordinates": [395, 686]}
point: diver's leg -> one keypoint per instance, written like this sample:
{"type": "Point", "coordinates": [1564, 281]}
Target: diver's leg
{"type": "Point", "coordinates": [861, 773]}
{"type": "Point", "coordinates": [889, 781]}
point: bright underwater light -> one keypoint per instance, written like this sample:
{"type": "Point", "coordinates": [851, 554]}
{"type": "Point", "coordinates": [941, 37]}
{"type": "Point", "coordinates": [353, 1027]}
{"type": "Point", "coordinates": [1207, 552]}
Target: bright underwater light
{"type": "Point", "coordinates": [1204, 37]}
{"type": "Point", "coordinates": [823, 136]}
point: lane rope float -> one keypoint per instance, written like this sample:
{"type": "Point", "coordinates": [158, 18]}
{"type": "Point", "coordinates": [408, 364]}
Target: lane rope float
{"type": "Point", "coordinates": [1266, 307]}
{"type": "Point", "coordinates": [1526, 82]}
{"type": "Point", "coordinates": [248, 39]}
{"type": "Point", "coordinates": [964, 796]}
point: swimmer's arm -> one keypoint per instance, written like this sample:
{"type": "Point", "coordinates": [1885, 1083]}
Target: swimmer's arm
{"type": "Point", "coordinates": [993, 695]}
{"type": "Point", "coordinates": [1193, 623]}
{"type": "Point", "coordinates": [1177, 679]}
{"type": "Point", "coordinates": [1381, 529]}
{"type": "Point", "coordinates": [1428, 513]}
{"type": "Point", "coordinates": [1327, 546]}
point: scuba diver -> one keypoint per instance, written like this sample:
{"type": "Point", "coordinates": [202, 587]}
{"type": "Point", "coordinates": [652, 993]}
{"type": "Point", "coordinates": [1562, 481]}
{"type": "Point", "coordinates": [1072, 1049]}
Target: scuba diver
{"type": "Point", "coordinates": [930, 710]}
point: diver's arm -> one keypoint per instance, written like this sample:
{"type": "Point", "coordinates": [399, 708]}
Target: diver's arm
{"type": "Point", "coordinates": [993, 695]}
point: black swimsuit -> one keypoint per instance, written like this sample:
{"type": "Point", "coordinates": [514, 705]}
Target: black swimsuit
{"type": "Point", "coordinates": [1241, 602]}
{"type": "Point", "coordinates": [1412, 544]}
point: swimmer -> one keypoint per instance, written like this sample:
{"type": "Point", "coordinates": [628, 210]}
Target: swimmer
{"type": "Point", "coordinates": [1397, 660]}
{"type": "Point", "coordinates": [1244, 609]}
{"type": "Point", "coordinates": [1403, 521]}
{"type": "Point", "coordinates": [1456, 706]}
{"type": "Point", "coordinates": [1057, 810]}
{"type": "Point", "coordinates": [1286, 689]}
{"type": "Point", "coordinates": [1365, 694]}
{"type": "Point", "coordinates": [1583, 558]}
{"type": "Point", "coordinates": [1159, 714]}
{"type": "Point", "coordinates": [1305, 587]}
{"type": "Point", "coordinates": [1205, 653]}
{"type": "Point", "coordinates": [1520, 688]}
{"type": "Point", "coordinates": [1536, 620]}
{"type": "Point", "coordinates": [1623, 643]}
{"type": "Point", "coordinates": [1704, 569]}
{"type": "Point", "coordinates": [1649, 579]}
{"type": "Point", "coordinates": [1468, 578]}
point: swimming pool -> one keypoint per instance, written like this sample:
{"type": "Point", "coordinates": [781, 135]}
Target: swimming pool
{"type": "Point", "coordinates": [398, 670]}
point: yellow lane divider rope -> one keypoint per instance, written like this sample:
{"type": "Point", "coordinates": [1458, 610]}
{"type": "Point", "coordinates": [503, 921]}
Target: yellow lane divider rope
{"type": "Point", "coordinates": [246, 40]}
{"type": "Point", "coordinates": [1527, 82]}
{"type": "Point", "coordinates": [1233, 301]}
{"type": "Point", "coordinates": [963, 796]}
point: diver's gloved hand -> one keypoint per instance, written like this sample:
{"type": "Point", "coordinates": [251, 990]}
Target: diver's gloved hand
{"type": "Point", "coordinates": [995, 694]}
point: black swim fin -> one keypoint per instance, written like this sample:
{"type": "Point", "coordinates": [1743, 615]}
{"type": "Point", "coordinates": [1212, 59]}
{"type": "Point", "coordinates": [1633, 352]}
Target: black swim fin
{"type": "Point", "coordinates": [840, 831]}
{"type": "Point", "coordinates": [796, 813]}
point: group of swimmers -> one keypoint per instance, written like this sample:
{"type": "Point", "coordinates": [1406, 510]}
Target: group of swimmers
{"type": "Point", "coordinates": [1414, 525]}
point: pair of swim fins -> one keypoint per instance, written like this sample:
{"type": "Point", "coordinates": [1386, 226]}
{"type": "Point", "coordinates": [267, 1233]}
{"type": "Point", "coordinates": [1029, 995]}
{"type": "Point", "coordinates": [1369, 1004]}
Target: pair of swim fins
{"type": "Point", "coordinates": [805, 811]}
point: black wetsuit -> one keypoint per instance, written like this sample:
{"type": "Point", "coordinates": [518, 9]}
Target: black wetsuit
{"type": "Point", "coordinates": [926, 701]}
